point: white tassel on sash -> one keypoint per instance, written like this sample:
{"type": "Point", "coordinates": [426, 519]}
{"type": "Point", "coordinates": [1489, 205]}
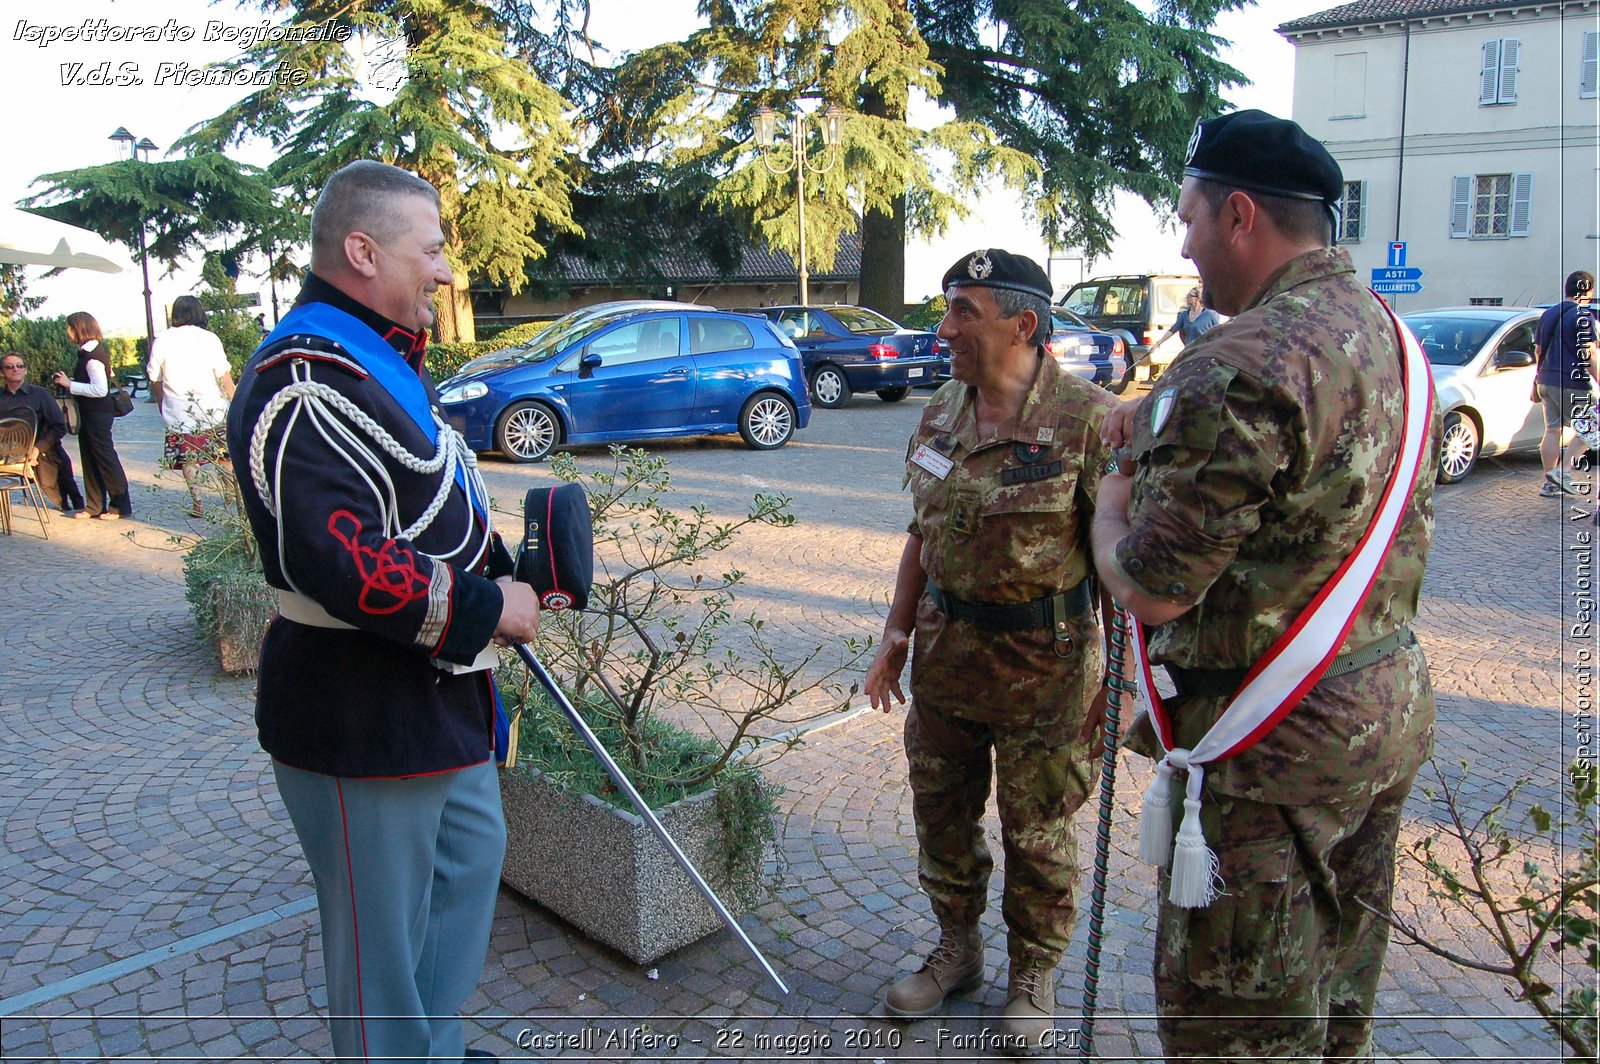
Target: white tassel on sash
{"type": "Point", "coordinates": [1155, 819]}
{"type": "Point", "coordinates": [1195, 878]}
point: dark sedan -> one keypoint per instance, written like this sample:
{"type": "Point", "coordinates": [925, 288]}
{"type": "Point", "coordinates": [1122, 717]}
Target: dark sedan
{"type": "Point", "coordinates": [1099, 358]}
{"type": "Point", "coordinates": [852, 349]}
{"type": "Point", "coordinates": [632, 372]}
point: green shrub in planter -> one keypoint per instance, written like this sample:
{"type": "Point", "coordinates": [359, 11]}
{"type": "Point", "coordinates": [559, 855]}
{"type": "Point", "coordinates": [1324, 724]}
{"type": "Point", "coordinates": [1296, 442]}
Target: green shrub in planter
{"type": "Point", "coordinates": [231, 601]}
{"type": "Point", "coordinates": [548, 745]}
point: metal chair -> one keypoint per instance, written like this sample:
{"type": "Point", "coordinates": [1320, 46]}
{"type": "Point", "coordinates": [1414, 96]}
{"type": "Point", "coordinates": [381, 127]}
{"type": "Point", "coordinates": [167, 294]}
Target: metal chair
{"type": "Point", "coordinates": [18, 462]}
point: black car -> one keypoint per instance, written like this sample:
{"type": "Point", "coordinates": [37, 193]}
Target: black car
{"type": "Point", "coordinates": [852, 349]}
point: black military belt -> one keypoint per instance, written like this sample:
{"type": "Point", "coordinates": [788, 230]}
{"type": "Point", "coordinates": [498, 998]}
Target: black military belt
{"type": "Point", "coordinates": [1207, 683]}
{"type": "Point", "coordinates": [1014, 616]}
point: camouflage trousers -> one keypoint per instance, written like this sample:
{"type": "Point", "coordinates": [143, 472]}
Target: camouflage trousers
{"type": "Point", "coordinates": [1040, 782]}
{"type": "Point", "coordinates": [1285, 963]}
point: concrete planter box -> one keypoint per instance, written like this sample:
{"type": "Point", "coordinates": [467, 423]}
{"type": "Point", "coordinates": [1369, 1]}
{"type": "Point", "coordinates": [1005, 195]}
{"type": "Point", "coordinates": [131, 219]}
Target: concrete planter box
{"type": "Point", "coordinates": [602, 869]}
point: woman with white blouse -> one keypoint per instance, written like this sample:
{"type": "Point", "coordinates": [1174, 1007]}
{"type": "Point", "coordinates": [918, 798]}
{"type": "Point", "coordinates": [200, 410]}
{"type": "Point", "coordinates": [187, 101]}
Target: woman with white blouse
{"type": "Point", "coordinates": [190, 376]}
{"type": "Point", "coordinates": [105, 485]}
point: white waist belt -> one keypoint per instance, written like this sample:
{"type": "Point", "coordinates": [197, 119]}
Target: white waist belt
{"type": "Point", "coordinates": [302, 609]}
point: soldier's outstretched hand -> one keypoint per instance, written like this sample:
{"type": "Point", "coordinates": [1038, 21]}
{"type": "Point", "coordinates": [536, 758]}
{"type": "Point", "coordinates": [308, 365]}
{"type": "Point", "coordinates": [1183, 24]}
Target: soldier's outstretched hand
{"type": "Point", "coordinates": [883, 676]}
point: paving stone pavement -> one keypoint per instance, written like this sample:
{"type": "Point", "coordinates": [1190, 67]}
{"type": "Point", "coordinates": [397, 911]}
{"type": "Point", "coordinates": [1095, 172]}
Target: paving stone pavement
{"type": "Point", "coordinates": [154, 905]}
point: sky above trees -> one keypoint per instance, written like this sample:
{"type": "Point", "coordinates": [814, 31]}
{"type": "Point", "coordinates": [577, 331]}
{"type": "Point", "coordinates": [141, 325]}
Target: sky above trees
{"type": "Point", "coordinates": [58, 110]}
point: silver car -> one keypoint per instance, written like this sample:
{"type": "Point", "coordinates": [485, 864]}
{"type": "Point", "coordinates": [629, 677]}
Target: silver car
{"type": "Point", "coordinates": [1482, 359]}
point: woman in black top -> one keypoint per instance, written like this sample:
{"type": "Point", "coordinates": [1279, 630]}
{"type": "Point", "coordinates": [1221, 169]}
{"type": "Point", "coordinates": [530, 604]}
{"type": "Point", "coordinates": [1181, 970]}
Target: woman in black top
{"type": "Point", "coordinates": [105, 484]}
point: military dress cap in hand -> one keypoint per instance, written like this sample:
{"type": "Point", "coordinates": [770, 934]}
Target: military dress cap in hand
{"type": "Point", "coordinates": [557, 556]}
{"type": "Point", "coordinates": [998, 268]}
{"type": "Point", "coordinates": [1264, 153]}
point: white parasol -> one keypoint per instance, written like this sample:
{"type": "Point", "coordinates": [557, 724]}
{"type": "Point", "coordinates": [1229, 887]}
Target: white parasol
{"type": "Point", "coordinates": [34, 240]}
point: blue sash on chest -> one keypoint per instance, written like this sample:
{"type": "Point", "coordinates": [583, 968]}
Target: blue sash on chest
{"type": "Point", "coordinates": [372, 353]}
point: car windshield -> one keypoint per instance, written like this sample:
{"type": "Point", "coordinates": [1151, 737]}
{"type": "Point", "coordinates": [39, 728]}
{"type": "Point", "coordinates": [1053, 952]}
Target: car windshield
{"type": "Point", "coordinates": [561, 334]}
{"type": "Point", "coordinates": [1448, 340]}
{"type": "Point", "coordinates": [1065, 319]}
{"type": "Point", "coordinates": [862, 320]}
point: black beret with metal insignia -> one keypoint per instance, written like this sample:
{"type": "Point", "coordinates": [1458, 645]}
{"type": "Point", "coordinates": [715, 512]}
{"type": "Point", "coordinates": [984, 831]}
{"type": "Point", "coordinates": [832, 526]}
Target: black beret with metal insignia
{"type": "Point", "coordinates": [997, 268]}
{"type": "Point", "coordinates": [1264, 153]}
{"type": "Point", "coordinates": [557, 556]}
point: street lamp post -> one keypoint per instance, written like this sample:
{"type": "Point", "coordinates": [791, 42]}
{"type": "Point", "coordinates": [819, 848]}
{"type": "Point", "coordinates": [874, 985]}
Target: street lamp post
{"type": "Point", "coordinates": [136, 146]}
{"type": "Point", "coordinates": [797, 128]}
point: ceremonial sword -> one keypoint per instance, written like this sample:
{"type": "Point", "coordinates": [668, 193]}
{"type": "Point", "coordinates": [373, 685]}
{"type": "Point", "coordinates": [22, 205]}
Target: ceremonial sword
{"type": "Point", "coordinates": [581, 726]}
{"type": "Point", "coordinates": [1102, 837]}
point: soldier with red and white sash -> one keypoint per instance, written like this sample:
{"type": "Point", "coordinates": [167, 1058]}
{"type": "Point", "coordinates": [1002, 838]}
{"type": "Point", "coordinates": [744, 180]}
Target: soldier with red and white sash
{"type": "Point", "coordinates": [1271, 538]}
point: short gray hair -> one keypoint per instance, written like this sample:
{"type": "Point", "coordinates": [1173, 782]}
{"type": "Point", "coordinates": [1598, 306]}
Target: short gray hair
{"type": "Point", "coordinates": [1012, 302]}
{"type": "Point", "coordinates": [360, 198]}
{"type": "Point", "coordinates": [1297, 219]}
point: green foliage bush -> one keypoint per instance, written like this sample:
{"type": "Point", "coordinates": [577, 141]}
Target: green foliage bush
{"type": "Point", "coordinates": [43, 344]}
{"type": "Point", "coordinates": [227, 314]}
{"type": "Point", "coordinates": [548, 743]}
{"type": "Point", "coordinates": [517, 335]}
{"type": "Point", "coordinates": [223, 583]}
{"type": "Point", "coordinates": [445, 360]}
{"type": "Point", "coordinates": [1535, 913]}
{"type": "Point", "coordinates": [927, 316]}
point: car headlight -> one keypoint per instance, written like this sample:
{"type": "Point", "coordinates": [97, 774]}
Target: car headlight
{"type": "Point", "coordinates": [462, 392]}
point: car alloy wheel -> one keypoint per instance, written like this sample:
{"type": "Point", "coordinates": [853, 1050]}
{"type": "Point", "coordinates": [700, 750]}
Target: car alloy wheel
{"type": "Point", "coordinates": [527, 432]}
{"type": "Point", "coordinates": [829, 387]}
{"type": "Point", "coordinates": [1458, 450]}
{"type": "Point", "coordinates": [767, 421]}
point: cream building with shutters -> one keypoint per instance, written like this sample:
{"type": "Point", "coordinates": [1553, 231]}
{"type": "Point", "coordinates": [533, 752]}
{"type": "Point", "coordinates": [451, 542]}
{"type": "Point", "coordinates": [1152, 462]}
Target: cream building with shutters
{"type": "Point", "coordinates": [1466, 130]}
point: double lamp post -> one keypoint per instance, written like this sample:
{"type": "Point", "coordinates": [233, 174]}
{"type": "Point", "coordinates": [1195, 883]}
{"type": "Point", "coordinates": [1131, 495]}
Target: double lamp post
{"type": "Point", "coordinates": [780, 159]}
{"type": "Point", "coordinates": [139, 149]}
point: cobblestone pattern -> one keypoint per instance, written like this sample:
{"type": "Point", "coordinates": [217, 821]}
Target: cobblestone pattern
{"type": "Point", "coordinates": [139, 812]}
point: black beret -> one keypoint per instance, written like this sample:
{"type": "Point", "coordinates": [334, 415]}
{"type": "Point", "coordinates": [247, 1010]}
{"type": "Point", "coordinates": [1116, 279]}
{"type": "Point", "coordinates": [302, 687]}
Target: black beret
{"type": "Point", "coordinates": [1263, 153]}
{"type": "Point", "coordinates": [557, 557]}
{"type": "Point", "coordinates": [997, 268]}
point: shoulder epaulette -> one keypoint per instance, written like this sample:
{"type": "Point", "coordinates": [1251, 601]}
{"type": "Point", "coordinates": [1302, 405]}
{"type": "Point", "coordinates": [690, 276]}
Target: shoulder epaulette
{"type": "Point", "coordinates": [312, 348]}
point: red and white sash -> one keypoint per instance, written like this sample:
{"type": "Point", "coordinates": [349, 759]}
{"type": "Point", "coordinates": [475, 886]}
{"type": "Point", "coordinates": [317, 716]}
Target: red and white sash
{"type": "Point", "coordinates": [1293, 665]}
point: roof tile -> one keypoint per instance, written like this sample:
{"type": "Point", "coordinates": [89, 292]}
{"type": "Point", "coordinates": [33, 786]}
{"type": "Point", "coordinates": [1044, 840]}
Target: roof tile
{"type": "Point", "coordinates": [1362, 12]}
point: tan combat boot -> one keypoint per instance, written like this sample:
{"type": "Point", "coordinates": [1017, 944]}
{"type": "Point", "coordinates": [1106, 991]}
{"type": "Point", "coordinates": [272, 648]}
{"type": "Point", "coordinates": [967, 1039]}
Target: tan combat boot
{"type": "Point", "coordinates": [955, 965]}
{"type": "Point", "coordinates": [1028, 1025]}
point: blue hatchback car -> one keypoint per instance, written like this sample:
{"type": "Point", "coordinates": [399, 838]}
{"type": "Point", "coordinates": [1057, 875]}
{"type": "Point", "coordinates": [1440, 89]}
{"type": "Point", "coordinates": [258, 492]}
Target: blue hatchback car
{"type": "Point", "coordinates": [634, 371]}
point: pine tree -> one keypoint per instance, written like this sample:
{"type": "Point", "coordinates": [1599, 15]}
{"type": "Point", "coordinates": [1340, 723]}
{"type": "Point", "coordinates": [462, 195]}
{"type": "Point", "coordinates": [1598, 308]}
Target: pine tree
{"type": "Point", "coordinates": [690, 103]}
{"type": "Point", "coordinates": [180, 206]}
{"type": "Point", "coordinates": [1101, 95]}
{"type": "Point", "coordinates": [472, 114]}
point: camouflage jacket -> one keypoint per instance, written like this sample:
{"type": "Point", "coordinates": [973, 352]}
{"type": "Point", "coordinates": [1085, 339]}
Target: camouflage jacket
{"type": "Point", "coordinates": [1263, 453]}
{"type": "Point", "coordinates": [1009, 522]}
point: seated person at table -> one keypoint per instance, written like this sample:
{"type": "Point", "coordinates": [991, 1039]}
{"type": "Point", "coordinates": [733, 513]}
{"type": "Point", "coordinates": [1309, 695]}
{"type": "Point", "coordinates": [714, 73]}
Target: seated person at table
{"type": "Point", "coordinates": [18, 398]}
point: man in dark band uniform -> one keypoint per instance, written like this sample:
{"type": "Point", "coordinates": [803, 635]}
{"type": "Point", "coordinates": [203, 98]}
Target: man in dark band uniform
{"type": "Point", "coordinates": [376, 695]}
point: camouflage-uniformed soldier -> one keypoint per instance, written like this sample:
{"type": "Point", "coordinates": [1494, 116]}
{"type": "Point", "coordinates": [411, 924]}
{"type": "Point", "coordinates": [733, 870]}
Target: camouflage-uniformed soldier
{"type": "Point", "coordinates": [995, 579]}
{"type": "Point", "coordinates": [1261, 458]}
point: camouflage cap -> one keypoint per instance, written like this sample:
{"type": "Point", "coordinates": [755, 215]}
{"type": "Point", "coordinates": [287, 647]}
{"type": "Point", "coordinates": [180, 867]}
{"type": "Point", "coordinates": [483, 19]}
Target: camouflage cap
{"type": "Point", "coordinates": [998, 268]}
{"type": "Point", "coordinates": [1263, 153]}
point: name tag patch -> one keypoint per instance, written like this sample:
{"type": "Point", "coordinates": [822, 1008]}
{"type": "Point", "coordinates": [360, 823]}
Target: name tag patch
{"type": "Point", "coordinates": [1029, 473]}
{"type": "Point", "coordinates": [932, 461]}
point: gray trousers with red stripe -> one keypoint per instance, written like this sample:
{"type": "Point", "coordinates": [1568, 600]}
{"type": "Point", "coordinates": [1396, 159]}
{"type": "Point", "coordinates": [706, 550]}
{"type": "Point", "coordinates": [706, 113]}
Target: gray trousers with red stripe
{"type": "Point", "coordinates": [407, 872]}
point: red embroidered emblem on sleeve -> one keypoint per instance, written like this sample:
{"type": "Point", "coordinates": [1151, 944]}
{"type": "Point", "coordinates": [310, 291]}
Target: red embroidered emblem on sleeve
{"type": "Point", "coordinates": [389, 577]}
